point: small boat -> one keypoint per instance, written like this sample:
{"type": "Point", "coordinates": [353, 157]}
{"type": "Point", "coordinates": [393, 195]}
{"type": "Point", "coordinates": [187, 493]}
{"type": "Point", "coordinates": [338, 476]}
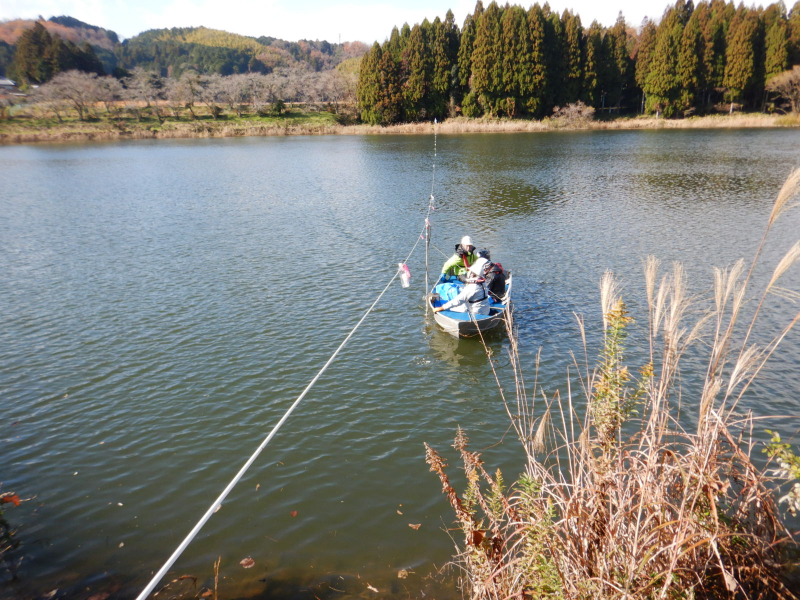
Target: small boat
{"type": "Point", "coordinates": [463, 324]}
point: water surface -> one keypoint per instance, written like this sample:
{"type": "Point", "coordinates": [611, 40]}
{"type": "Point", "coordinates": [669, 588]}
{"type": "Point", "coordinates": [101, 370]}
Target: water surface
{"type": "Point", "coordinates": [163, 303]}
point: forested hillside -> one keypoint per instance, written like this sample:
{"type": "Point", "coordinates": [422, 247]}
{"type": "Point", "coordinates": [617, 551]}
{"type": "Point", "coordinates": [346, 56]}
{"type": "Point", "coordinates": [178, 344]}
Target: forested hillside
{"type": "Point", "coordinates": [68, 30]}
{"type": "Point", "coordinates": [63, 43]}
{"type": "Point", "coordinates": [517, 62]}
{"type": "Point", "coordinates": [172, 51]}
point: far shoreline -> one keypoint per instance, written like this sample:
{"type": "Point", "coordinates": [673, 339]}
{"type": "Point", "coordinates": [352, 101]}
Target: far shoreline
{"type": "Point", "coordinates": [14, 132]}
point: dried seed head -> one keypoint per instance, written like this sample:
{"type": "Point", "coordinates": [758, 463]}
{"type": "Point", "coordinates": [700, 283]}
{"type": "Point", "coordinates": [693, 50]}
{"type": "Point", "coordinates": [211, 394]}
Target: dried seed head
{"type": "Point", "coordinates": [650, 271]}
{"type": "Point", "coordinates": [790, 189]}
{"type": "Point", "coordinates": [791, 257]}
{"type": "Point", "coordinates": [461, 441]}
{"type": "Point", "coordinates": [744, 366]}
{"type": "Point", "coordinates": [538, 439]}
{"type": "Point", "coordinates": [609, 292]}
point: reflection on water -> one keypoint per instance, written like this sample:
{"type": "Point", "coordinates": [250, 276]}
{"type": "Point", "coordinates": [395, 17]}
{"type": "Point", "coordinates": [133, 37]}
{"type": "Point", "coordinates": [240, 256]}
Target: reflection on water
{"type": "Point", "coordinates": [164, 303]}
{"type": "Point", "coordinates": [465, 352]}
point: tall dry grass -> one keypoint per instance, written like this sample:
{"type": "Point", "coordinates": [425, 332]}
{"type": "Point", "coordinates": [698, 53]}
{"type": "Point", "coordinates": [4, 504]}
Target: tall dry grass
{"type": "Point", "coordinates": [626, 501]}
{"type": "Point", "coordinates": [16, 131]}
{"type": "Point", "coordinates": [487, 125]}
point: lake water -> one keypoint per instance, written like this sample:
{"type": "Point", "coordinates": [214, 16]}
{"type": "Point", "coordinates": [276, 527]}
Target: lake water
{"type": "Point", "coordinates": [163, 303]}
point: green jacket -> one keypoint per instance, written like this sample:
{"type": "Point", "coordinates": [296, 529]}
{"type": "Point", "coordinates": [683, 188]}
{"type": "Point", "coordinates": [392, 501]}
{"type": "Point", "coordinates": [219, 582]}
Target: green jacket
{"type": "Point", "coordinates": [455, 264]}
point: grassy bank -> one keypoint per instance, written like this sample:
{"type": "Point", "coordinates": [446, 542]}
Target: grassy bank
{"type": "Point", "coordinates": [29, 129]}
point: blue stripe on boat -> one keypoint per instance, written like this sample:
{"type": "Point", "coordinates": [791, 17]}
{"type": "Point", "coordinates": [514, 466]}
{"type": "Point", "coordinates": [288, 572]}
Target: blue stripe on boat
{"type": "Point", "coordinates": [463, 316]}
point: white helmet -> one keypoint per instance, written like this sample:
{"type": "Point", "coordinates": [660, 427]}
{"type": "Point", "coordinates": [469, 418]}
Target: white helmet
{"type": "Point", "coordinates": [466, 241]}
{"type": "Point", "coordinates": [477, 268]}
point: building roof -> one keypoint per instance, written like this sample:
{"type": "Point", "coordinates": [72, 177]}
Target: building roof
{"type": "Point", "coordinates": [6, 82]}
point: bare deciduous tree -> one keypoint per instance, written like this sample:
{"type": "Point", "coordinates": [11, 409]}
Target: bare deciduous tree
{"type": "Point", "coordinates": [210, 88]}
{"type": "Point", "coordinates": [137, 92]}
{"type": "Point", "coordinates": [257, 92]}
{"type": "Point", "coordinates": [177, 95]}
{"type": "Point", "coordinates": [78, 88]}
{"type": "Point", "coordinates": [110, 92]}
{"type": "Point", "coordinates": [47, 98]}
{"type": "Point", "coordinates": [190, 81]}
{"type": "Point", "coordinates": [234, 91]}
{"type": "Point", "coordinates": [146, 92]}
{"type": "Point", "coordinates": [787, 84]}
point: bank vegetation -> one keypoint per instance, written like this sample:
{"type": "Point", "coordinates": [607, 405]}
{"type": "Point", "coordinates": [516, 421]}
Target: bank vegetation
{"type": "Point", "coordinates": [635, 485]}
{"type": "Point", "coordinates": [523, 61]}
{"type": "Point", "coordinates": [57, 119]}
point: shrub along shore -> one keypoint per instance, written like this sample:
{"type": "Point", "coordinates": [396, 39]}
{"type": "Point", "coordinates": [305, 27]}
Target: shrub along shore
{"type": "Point", "coordinates": [21, 130]}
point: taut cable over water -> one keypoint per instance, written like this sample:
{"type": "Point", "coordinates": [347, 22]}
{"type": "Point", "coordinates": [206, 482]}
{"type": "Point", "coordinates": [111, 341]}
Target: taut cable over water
{"type": "Point", "coordinates": [218, 502]}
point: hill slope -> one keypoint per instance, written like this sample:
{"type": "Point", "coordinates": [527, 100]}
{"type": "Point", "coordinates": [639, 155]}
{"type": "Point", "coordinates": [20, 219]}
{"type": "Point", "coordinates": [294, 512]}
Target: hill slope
{"type": "Point", "coordinates": [173, 51]}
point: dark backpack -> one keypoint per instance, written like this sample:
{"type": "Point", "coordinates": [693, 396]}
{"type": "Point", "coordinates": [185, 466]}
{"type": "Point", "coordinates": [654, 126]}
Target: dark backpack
{"type": "Point", "coordinates": [496, 268]}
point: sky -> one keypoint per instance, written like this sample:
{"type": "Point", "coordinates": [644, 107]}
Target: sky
{"type": "Point", "coordinates": [349, 20]}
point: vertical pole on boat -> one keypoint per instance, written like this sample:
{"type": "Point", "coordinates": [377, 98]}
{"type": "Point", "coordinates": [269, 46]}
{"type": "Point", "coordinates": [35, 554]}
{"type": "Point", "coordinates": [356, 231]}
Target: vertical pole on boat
{"type": "Point", "coordinates": [427, 246]}
{"type": "Point", "coordinates": [427, 217]}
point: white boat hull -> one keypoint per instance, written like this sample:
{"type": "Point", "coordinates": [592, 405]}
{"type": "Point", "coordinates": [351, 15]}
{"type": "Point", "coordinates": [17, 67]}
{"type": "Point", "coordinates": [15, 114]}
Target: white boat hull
{"type": "Point", "coordinates": [462, 324]}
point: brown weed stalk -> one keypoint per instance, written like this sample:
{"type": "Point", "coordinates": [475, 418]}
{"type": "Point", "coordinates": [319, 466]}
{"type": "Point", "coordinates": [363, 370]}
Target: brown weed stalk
{"type": "Point", "coordinates": [626, 501]}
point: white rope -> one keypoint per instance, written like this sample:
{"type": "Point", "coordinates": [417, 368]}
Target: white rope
{"type": "Point", "coordinates": [218, 502]}
{"type": "Point", "coordinates": [440, 252]}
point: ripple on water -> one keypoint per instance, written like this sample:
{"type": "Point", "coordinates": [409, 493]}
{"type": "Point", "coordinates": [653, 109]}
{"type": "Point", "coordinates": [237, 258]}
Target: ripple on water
{"type": "Point", "coordinates": [163, 304]}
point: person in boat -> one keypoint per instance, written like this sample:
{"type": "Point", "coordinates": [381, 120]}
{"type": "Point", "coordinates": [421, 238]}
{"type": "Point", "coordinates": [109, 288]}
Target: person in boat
{"type": "Point", "coordinates": [495, 277]}
{"type": "Point", "coordinates": [473, 297]}
{"type": "Point", "coordinates": [457, 265]}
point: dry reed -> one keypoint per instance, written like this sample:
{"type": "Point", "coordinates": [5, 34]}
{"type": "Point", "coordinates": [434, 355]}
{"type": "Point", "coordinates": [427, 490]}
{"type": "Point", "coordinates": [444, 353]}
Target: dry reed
{"type": "Point", "coordinates": [16, 131]}
{"type": "Point", "coordinates": [617, 507]}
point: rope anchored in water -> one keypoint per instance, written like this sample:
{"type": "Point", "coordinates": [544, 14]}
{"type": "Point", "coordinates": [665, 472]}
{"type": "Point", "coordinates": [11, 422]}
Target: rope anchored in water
{"type": "Point", "coordinates": [218, 502]}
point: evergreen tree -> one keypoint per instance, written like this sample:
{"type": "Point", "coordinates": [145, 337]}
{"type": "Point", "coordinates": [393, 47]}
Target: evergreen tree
{"type": "Point", "coordinates": [592, 63]}
{"type": "Point", "coordinates": [508, 61]}
{"type": "Point", "coordinates": [714, 34]}
{"type": "Point", "coordinates": [772, 14]}
{"type": "Point", "coordinates": [515, 57]}
{"type": "Point", "coordinates": [619, 69]}
{"type": "Point", "coordinates": [405, 33]}
{"type": "Point", "coordinates": [61, 56]}
{"type": "Point", "coordinates": [740, 58]}
{"type": "Point", "coordinates": [705, 66]}
{"type": "Point", "coordinates": [464, 60]}
{"type": "Point", "coordinates": [453, 37]}
{"type": "Point", "coordinates": [534, 80]}
{"type": "Point", "coordinates": [794, 34]}
{"type": "Point", "coordinates": [487, 66]}
{"type": "Point", "coordinates": [418, 62]}
{"type": "Point", "coordinates": [87, 59]}
{"type": "Point", "coordinates": [684, 10]}
{"type": "Point", "coordinates": [645, 50]}
{"type": "Point", "coordinates": [690, 63]}
{"type": "Point", "coordinates": [663, 85]}
{"type": "Point", "coordinates": [441, 66]}
{"type": "Point", "coordinates": [776, 55]}
{"type": "Point", "coordinates": [369, 85]}
{"type": "Point", "coordinates": [33, 60]}
{"type": "Point", "coordinates": [555, 59]}
{"type": "Point", "coordinates": [573, 51]}
{"type": "Point", "coordinates": [395, 44]}
{"type": "Point", "coordinates": [391, 98]}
